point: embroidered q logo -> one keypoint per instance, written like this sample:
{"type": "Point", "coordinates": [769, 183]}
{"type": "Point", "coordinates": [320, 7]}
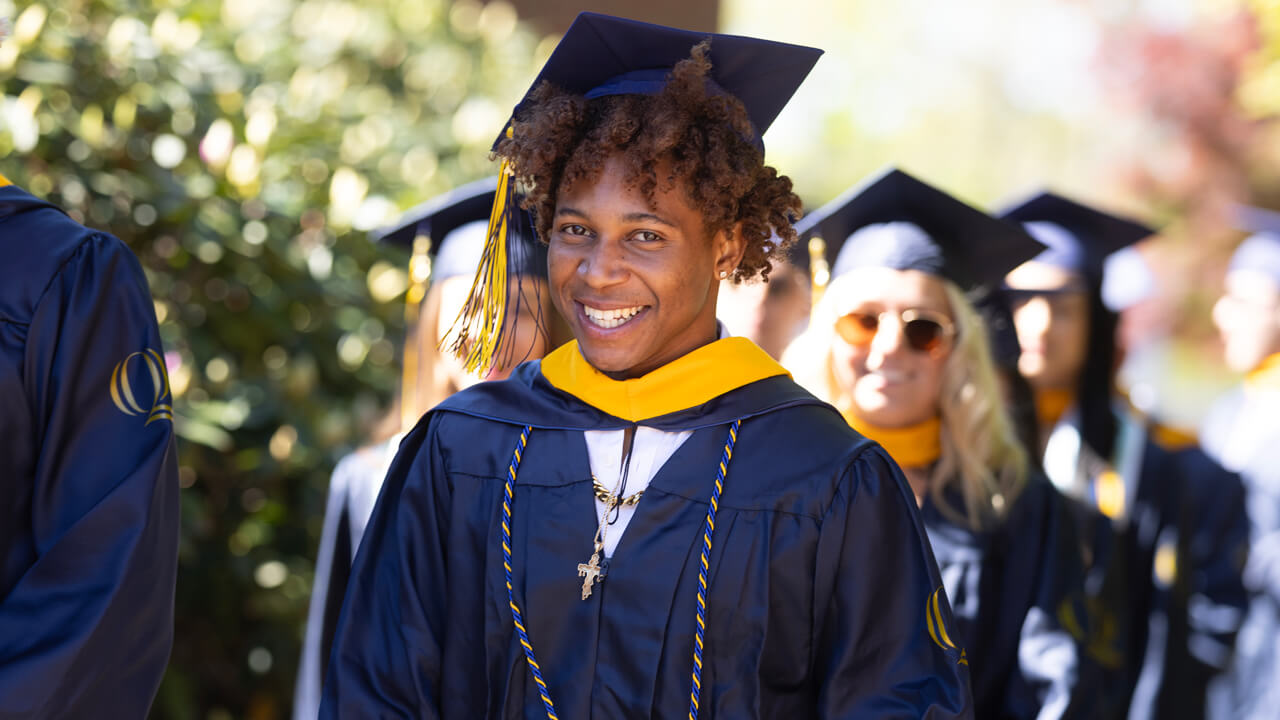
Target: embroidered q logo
{"type": "Point", "coordinates": [938, 629]}
{"type": "Point", "coordinates": [143, 365]}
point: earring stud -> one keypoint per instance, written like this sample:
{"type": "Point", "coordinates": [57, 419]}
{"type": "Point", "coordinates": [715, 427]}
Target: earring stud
{"type": "Point", "coordinates": [724, 274]}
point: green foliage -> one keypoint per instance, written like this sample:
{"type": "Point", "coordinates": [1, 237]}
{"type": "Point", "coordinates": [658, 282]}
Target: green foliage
{"type": "Point", "coordinates": [241, 148]}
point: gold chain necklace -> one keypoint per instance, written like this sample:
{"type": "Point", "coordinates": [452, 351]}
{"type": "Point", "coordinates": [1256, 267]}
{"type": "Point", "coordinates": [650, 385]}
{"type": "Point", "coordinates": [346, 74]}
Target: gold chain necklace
{"type": "Point", "coordinates": [606, 496]}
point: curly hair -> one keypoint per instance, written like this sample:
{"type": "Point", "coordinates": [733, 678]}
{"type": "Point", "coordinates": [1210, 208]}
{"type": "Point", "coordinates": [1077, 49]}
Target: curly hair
{"type": "Point", "coordinates": [561, 138]}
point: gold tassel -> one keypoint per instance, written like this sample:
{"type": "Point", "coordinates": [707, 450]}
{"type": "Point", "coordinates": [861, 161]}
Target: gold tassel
{"type": "Point", "coordinates": [476, 335]}
{"type": "Point", "coordinates": [819, 270]}
{"type": "Point", "coordinates": [419, 277]}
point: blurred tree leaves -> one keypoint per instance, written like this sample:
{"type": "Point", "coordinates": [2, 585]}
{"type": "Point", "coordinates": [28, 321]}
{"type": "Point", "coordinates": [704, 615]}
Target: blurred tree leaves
{"type": "Point", "coordinates": [241, 148]}
{"type": "Point", "coordinates": [1209, 95]}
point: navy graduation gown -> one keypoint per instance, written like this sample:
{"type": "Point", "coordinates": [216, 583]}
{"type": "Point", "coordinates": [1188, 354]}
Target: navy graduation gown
{"type": "Point", "coordinates": [819, 586]}
{"type": "Point", "coordinates": [1165, 582]}
{"type": "Point", "coordinates": [1186, 545]}
{"type": "Point", "coordinates": [1017, 592]}
{"type": "Point", "coordinates": [89, 506]}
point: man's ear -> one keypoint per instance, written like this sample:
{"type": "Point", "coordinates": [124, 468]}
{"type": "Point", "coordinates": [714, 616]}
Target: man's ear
{"type": "Point", "coordinates": [729, 245]}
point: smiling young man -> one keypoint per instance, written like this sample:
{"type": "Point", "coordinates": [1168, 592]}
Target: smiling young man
{"type": "Point", "coordinates": [654, 521]}
{"type": "Point", "coordinates": [630, 272]}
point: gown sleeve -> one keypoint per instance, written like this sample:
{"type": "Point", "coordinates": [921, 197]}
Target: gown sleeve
{"type": "Point", "coordinates": [387, 648]}
{"type": "Point", "coordinates": [89, 625]}
{"type": "Point", "coordinates": [882, 644]}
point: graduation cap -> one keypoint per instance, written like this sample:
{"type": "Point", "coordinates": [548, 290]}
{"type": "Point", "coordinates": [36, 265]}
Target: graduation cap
{"type": "Point", "coordinates": [438, 216]}
{"type": "Point", "coordinates": [601, 56]}
{"type": "Point", "coordinates": [896, 221]}
{"type": "Point", "coordinates": [1259, 252]}
{"type": "Point", "coordinates": [1079, 237]}
{"type": "Point", "coordinates": [452, 228]}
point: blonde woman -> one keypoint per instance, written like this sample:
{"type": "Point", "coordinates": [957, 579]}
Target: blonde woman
{"type": "Point", "coordinates": [897, 346]}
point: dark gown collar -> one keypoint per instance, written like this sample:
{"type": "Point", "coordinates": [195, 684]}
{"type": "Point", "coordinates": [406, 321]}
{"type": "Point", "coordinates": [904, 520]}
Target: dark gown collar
{"type": "Point", "coordinates": [15, 201]}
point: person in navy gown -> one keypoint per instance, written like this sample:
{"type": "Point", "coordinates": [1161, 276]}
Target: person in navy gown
{"type": "Point", "coordinates": [897, 345]}
{"type": "Point", "coordinates": [89, 510]}
{"type": "Point", "coordinates": [1164, 522]}
{"type": "Point", "coordinates": [654, 520]}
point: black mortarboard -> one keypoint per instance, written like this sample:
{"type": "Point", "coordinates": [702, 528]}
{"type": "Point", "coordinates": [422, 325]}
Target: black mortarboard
{"type": "Point", "coordinates": [603, 55]}
{"type": "Point", "coordinates": [1259, 252]}
{"type": "Point", "coordinates": [1079, 237]}
{"type": "Point", "coordinates": [456, 224]}
{"type": "Point", "coordinates": [894, 220]}
{"type": "Point", "coordinates": [436, 217]}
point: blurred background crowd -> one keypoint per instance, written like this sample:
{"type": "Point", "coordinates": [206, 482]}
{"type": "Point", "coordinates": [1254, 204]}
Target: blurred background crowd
{"type": "Point", "coordinates": [243, 149]}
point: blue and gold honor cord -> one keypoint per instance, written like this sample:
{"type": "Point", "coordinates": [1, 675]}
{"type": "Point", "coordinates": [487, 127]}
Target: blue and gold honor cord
{"type": "Point", "coordinates": [516, 616]}
{"type": "Point", "coordinates": [708, 531]}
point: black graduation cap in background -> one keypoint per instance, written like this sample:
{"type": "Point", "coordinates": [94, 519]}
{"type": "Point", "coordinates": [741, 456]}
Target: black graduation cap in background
{"type": "Point", "coordinates": [438, 217]}
{"type": "Point", "coordinates": [950, 238]}
{"type": "Point", "coordinates": [1079, 237]}
{"type": "Point", "coordinates": [603, 55]}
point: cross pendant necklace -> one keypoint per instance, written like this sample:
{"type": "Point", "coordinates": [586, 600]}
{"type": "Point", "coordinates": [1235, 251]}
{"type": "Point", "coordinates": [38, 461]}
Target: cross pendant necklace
{"type": "Point", "coordinates": [593, 572]}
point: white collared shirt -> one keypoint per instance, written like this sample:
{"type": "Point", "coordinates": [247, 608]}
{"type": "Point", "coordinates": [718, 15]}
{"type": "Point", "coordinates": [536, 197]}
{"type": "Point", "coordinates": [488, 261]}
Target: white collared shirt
{"type": "Point", "coordinates": [650, 450]}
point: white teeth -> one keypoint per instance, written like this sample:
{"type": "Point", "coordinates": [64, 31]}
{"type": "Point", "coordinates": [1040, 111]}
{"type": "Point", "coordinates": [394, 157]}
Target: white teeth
{"type": "Point", "coordinates": [891, 375]}
{"type": "Point", "coordinates": [608, 319]}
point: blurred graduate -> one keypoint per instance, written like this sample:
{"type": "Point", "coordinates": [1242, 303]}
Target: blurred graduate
{"type": "Point", "coordinates": [771, 314]}
{"type": "Point", "coordinates": [1242, 430]}
{"type": "Point", "coordinates": [896, 344]}
{"type": "Point", "coordinates": [655, 520]}
{"type": "Point", "coordinates": [1163, 519]}
{"type": "Point", "coordinates": [446, 238]}
{"type": "Point", "coordinates": [89, 509]}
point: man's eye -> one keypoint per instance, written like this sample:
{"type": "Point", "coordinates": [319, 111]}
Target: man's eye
{"type": "Point", "coordinates": [573, 230]}
{"type": "Point", "coordinates": [647, 236]}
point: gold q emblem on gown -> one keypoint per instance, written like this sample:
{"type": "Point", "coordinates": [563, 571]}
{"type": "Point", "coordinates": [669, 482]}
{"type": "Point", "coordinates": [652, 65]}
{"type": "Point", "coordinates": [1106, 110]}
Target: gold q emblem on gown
{"type": "Point", "coordinates": [154, 404]}
{"type": "Point", "coordinates": [938, 629]}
